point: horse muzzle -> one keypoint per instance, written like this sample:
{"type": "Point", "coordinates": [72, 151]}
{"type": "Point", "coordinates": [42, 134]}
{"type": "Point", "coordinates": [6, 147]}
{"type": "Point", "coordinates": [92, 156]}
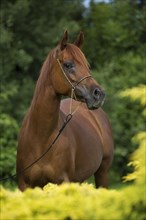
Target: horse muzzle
{"type": "Point", "coordinates": [93, 99]}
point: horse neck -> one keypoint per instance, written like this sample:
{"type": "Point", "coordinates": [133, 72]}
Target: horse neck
{"type": "Point", "coordinates": [44, 111]}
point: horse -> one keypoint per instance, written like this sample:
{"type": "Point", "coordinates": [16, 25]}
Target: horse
{"type": "Point", "coordinates": [85, 144]}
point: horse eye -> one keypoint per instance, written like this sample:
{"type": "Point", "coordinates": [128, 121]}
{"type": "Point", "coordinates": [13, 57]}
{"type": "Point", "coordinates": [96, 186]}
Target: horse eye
{"type": "Point", "coordinates": [68, 65]}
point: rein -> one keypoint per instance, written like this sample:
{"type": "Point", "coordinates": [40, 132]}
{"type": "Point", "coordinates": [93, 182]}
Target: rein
{"type": "Point", "coordinates": [67, 120]}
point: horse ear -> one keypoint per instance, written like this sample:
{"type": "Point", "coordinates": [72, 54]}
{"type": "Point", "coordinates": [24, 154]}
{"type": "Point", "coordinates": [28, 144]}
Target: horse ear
{"type": "Point", "coordinates": [80, 39]}
{"type": "Point", "coordinates": [63, 42]}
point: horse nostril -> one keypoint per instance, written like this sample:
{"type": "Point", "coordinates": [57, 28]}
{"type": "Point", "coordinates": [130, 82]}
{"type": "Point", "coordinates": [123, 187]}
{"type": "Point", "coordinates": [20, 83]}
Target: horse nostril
{"type": "Point", "coordinates": [96, 93]}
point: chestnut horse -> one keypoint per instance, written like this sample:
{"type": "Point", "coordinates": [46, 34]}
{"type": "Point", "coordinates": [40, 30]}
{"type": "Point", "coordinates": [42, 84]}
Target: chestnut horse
{"type": "Point", "coordinates": [85, 145]}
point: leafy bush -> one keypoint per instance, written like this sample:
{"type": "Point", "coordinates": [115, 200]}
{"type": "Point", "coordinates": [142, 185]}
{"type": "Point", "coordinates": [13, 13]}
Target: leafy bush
{"type": "Point", "coordinates": [9, 121]}
{"type": "Point", "coordinates": [137, 93]}
{"type": "Point", "coordinates": [8, 131]}
{"type": "Point", "coordinates": [15, 98]}
{"type": "Point", "coordinates": [75, 201]}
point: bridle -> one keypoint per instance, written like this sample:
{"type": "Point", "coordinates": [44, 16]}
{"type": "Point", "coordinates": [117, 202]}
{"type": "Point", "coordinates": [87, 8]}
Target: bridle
{"type": "Point", "coordinates": [73, 86]}
{"type": "Point", "coordinates": [76, 83]}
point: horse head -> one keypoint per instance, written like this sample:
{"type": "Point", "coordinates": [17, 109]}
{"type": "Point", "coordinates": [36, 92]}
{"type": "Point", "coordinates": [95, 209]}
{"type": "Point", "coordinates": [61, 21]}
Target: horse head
{"type": "Point", "coordinates": [71, 72]}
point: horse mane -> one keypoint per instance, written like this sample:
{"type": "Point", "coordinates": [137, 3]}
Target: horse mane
{"type": "Point", "coordinates": [75, 52]}
{"type": "Point", "coordinates": [44, 73]}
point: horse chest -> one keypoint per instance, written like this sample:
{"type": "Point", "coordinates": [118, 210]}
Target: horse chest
{"type": "Point", "coordinates": [40, 176]}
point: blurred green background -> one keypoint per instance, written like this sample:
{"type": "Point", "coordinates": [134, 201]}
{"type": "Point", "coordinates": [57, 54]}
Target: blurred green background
{"type": "Point", "coordinates": [115, 43]}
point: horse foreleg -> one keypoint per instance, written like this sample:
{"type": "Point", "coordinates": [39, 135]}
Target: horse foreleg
{"type": "Point", "coordinates": [66, 178]}
{"type": "Point", "coordinates": [22, 185]}
{"type": "Point", "coordinates": [101, 175]}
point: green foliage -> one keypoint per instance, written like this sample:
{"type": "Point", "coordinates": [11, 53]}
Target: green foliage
{"type": "Point", "coordinates": [114, 29]}
{"type": "Point", "coordinates": [15, 98]}
{"type": "Point", "coordinates": [138, 159]}
{"type": "Point", "coordinates": [75, 201]}
{"type": "Point", "coordinates": [9, 125]}
{"type": "Point", "coordinates": [137, 93]}
{"type": "Point", "coordinates": [26, 37]}
{"type": "Point", "coordinates": [8, 131]}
